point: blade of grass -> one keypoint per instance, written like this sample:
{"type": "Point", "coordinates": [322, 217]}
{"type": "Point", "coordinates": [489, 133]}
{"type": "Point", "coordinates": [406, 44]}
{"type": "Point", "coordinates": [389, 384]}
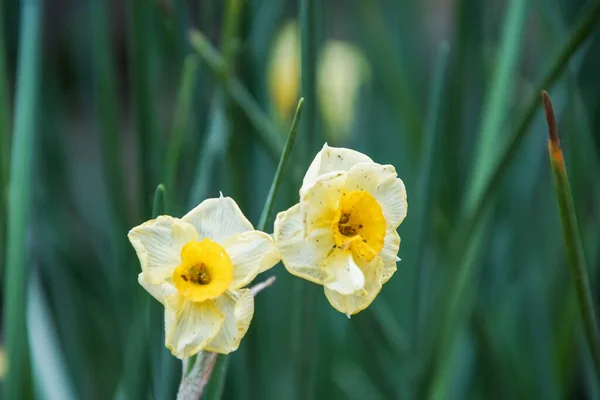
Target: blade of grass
{"type": "Point", "coordinates": [4, 140]}
{"type": "Point", "coordinates": [181, 120]}
{"type": "Point", "coordinates": [305, 336]}
{"type": "Point", "coordinates": [16, 382]}
{"type": "Point", "coordinates": [266, 130]}
{"type": "Point", "coordinates": [49, 364]}
{"type": "Point", "coordinates": [426, 181]}
{"type": "Point", "coordinates": [397, 87]}
{"type": "Point", "coordinates": [572, 240]}
{"type": "Point", "coordinates": [308, 57]}
{"type": "Point", "coordinates": [498, 100]}
{"type": "Point", "coordinates": [140, 343]}
{"type": "Point", "coordinates": [214, 147]}
{"type": "Point", "coordinates": [287, 149]}
{"type": "Point", "coordinates": [494, 114]}
{"type": "Point", "coordinates": [105, 98]}
{"type": "Point", "coordinates": [145, 124]}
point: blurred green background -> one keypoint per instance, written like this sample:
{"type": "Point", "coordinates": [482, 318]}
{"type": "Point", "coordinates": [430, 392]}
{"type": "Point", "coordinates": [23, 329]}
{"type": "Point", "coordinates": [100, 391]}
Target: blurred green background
{"type": "Point", "coordinates": [103, 100]}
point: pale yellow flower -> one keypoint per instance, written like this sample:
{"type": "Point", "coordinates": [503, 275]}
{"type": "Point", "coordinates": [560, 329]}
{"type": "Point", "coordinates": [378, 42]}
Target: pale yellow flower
{"type": "Point", "coordinates": [342, 234]}
{"type": "Point", "coordinates": [284, 70]}
{"type": "Point", "coordinates": [342, 70]}
{"type": "Point", "coordinates": [197, 267]}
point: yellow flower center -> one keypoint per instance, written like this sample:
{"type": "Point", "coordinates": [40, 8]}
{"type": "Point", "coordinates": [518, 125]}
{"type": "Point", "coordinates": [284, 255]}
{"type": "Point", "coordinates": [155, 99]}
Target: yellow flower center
{"type": "Point", "coordinates": [205, 271]}
{"type": "Point", "coordinates": [359, 224]}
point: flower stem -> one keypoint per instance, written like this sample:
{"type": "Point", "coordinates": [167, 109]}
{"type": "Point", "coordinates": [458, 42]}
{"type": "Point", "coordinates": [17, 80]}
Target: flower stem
{"type": "Point", "coordinates": [572, 240]}
{"type": "Point", "coordinates": [16, 383]}
{"type": "Point", "coordinates": [181, 121]}
{"type": "Point", "coordinates": [287, 149]}
{"type": "Point", "coordinates": [426, 179]}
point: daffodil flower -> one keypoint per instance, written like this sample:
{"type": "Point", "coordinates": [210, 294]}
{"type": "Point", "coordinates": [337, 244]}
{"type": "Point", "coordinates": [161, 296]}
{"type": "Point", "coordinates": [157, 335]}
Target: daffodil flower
{"type": "Point", "coordinates": [197, 267]}
{"type": "Point", "coordinates": [342, 234]}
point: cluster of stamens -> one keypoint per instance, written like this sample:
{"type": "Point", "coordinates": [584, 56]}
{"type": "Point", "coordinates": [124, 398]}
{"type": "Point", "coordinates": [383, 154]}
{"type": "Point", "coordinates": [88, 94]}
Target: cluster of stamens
{"type": "Point", "coordinates": [197, 274]}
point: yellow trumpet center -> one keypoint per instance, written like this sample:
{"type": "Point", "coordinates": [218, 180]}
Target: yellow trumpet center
{"type": "Point", "coordinates": [205, 271]}
{"type": "Point", "coordinates": [359, 224]}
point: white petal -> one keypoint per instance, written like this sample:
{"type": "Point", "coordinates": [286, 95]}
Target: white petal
{"type": "Point", "coordinates": [158, 244]}
{"type": "Point", "coordinates": [217, 219]}
{"type": "Point", "coordinates": [388, 254]}
{"type": "Point", "coordinates": [332, 159]}
{"type": "Point", "coordinates": [302, 256]}
{"type": "Point", "coordinates": [251, 253]}
{"type": "Point", "coordinates": [352, 304]}
{"type": "Point", "coordinates": [320, 201]}
{"type": "Point", "coordinates": [344, 276]}
{"type": "Point", "coordinates": [383, 183]}
{"type": "Point", "coordinates": [190, 326]}
{"type": "Point", "coordinates": [238, 308]}
{"type": "Point", "coordinates": [159, 291]}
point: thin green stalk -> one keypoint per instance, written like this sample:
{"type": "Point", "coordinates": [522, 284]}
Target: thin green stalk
{"type": "Point", "coordinates": [214, 146]}
{"type": "Point", "coordinates": [4, 137]}
{"type": "Point", "coordinates": [308, 52]}
{"type": "Point", "coordinates": [266, 130]}
{"type": "Point", "coordinates": [287, 149]}
{"type": "Point", "coordinates": [495, 112]}
{"type": "Point", "coordinates": [140, 341]}
{"type": "Point", "coordinates": [426, 181]}
{"type": "Point", "coordinates": [397, 87]}
{"type": "Point", "coordinates": [16, 383]}
{"type": "Point", "coordinates": [182, 118]}
{"type": "Point", "coordinates": [572, 240]}
{"type": "Point", "coordinates": [158, 204]}
{"type": "Point", "coordinates": [145, 124]}
{"type": "Point", "coordinates": [105, 97]}
{"type": "Point", "coordinates": [305, 337]}
{"type": "Point", "coordinates": [496, 106]}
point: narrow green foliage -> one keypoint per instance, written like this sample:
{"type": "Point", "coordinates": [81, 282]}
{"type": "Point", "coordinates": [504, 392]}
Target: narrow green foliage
{"type": "Point", "coordinates": [497, 101]}
{"type": "Point", "coordinates": [572, 240]}
{"type": "Point", "coordinates": [308, 56]}
{"type": "Point", "coordinates": [182, 119]}
{"type": "Point", "coordinates": [397, 88]}
{"type": "Point", "coordinates": [17, 380]}
{"type": "Point", "coordinates": [427, 178]}
{"type": "Point", "coordinates": [266, 130]}
{"type": "Point", "coordinates": [4, 136]}
{"type": "Point", "coordinates": [105, 97]}
{"type": "Point", "coordinates": [231, 30]}
{"type": "Point", "coordinates": [583, 28]}
{"type": "Point", "coordinates": [494, 114]}
{"type": "Point", "coordinates": [158, 204]}
{"type": "Point", "coordinates": [145, 123]}
{"type": "Point", "coordinates": [287, 149]}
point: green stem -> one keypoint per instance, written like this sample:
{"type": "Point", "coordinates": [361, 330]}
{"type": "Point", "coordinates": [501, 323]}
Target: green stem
{"type": "Point", "coordinates": [496, 106]}
{"type": "Point", "coordinates": [145, 125]}
{"type": "Point", "coordinates": [105, 94]}
{"type": "Point", "coordinates": [572, 240]}
{"type": "Point", "coordinates": [287, 149]}
{"type": "Point", "coordinates": [4, 137]}
{"type": "Point", "coordinates": [158, 204]}
{"type": "Point", "coordinates": [308, 51]}
{"type": "Point", "coordinates": [181, 120]}
{"type": "Point", "coordinates": [426, 180]}
{"type": "Point", "coordinates": [16, 383]}
{"type": "Point", "coordinates": [495, 112]}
